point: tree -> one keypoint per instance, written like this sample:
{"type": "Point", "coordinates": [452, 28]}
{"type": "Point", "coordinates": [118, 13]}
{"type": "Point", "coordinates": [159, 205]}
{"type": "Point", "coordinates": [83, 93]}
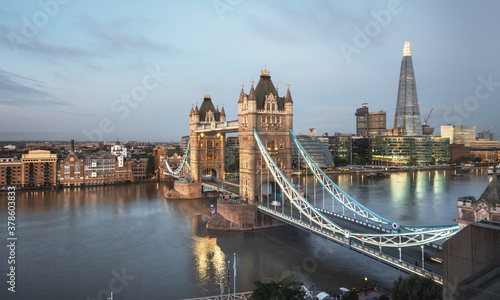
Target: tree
{"type": "Point", "coordinates": [358, 161]}
{"type": "Point", "coordinates": [283, 288]}
{"type": "Point", "coordinates": [150, 166]}
{"type": "Point", "coordinates": [147, 150]}
{"type": "Point", "coordinates": [340, 161]}
{"type": "Point", "coordinates": [351, 295]}
{"type": "Point", "coordinates": [415, 287]}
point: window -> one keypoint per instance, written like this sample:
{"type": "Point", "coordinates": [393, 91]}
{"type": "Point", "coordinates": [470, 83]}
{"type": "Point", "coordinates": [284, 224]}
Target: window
{"type": "Point", "coordinates": [271, 145]}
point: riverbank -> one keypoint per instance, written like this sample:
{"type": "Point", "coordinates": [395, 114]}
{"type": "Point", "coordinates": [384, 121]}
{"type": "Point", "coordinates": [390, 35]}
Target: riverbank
{"type": "Point", "coordinates": [57, 187]}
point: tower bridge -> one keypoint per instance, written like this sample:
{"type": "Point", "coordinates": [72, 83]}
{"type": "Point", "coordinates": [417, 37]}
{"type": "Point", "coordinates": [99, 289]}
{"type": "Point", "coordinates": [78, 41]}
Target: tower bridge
{"type": "Point", "coordinates": [265, 135]}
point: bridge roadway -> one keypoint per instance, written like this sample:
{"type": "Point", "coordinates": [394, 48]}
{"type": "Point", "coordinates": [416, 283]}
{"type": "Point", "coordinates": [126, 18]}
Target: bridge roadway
{"type": "Point", "coordinates": [221, 186]}
{"type": "Point", "coordinates": [389, 255]}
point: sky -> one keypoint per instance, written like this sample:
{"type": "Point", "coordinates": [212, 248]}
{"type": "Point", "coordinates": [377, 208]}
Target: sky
{"type": "Point", "coordinates": [130, 70]}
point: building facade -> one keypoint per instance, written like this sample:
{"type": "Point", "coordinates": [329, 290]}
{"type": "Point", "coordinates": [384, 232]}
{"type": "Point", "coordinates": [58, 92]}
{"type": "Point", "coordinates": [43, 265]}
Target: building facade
{"type": "Point", "coordinates": [11, 171]}
{"type": "Point", "coordinates": [139, 164]}
{"type": "Point", "coordinates": [316, 149]}
{"type": "Point", "coordinates": [407, 117]}
{"type": "Point", "coordinates": [39, 168]}
{"type": "Point", "coordinates": [207, 149]}
{"type": "Point", "coordinates": [409, 151]}
{"type": "Point", "coordinates": [340, 147]}
{"type": "Point", "coordinates": [232, 154]}
{"type": "Point", "coordinates": [459, 134]}
{"type": "Point", "coordinates": [370, 123]}
{"type": "Point", "coordinates": [272, 117]}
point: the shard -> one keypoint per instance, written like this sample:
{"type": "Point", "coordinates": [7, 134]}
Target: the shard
{"type": "Point", "coordinates": [407, 118]}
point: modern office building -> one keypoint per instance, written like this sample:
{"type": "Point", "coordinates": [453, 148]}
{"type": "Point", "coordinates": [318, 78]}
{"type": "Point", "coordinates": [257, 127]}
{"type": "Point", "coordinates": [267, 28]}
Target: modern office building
{"type": "Point", "coordinates": [232, 153]}
{"type": "Point", "coordinates": [407, 117]}
{"type": "Point", "coordinates": [360, 150]}
{"type": "Point", "coordinates": [411, 151]}
{"type": "Point", "coordinates": [459, 134]}
{"type": "Point", "coordinates": [316, 150]}
{"type": "Point", "coordinates": [370, 123]}
{"type": "Point", "coordinates": [340, 146]}
{"type": "Point", "coordinates": [441, 152]}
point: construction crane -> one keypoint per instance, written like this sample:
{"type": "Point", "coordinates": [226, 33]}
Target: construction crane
{"type": "Point", "coordinates": [426, 129]}
{"type": "Point", "coordinates": [427, 119]}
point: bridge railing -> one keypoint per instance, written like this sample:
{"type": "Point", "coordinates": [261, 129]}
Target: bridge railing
{"type": "Point", "coordinates": [234, 296]}
{"type": "Point", "coordinates": [219, 125]}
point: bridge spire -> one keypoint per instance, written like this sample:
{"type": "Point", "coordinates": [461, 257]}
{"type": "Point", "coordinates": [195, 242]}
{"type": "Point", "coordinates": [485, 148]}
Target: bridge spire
{"type": "Point", "coordinates": [242, 94]}
{"type": "Point", "coordinates": [196, 108]}
{"type": "Point", "coordinates": [192, 111]}
{"type": "Point", "coordinates": [251, 95]}
{"type": "Point", "coordinates": [222, 112]}
{"type": "Point", "coordinates": [288, 97]}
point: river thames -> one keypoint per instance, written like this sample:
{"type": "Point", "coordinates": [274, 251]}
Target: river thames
{"type": "Point", "coordinates": [82, 243]}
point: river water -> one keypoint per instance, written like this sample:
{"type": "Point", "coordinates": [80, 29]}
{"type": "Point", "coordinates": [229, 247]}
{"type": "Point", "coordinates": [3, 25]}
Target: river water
{"type": "Point", "coordinates": [83, 243]}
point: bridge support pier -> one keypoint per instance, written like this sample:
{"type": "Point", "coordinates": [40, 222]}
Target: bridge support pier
{"type": "Point", "coordinates": [185, 190]}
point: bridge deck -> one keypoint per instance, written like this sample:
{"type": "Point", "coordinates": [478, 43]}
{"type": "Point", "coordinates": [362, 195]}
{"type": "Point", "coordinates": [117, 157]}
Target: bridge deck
{"type": "Point", "coordinates": [411, 257]}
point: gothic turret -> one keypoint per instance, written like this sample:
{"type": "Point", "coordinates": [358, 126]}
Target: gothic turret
{"type": "Point", "coordinates": [288, 97]}
{"type": "Point", "coordinates": [251, 95]}
{"type": "Point", "coordinates": [242, 94]}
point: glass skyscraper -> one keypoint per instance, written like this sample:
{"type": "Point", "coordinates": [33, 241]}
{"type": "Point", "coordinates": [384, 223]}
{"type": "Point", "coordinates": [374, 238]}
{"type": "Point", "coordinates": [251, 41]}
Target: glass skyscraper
{"type": "Point", "coordinates": [407, 118]}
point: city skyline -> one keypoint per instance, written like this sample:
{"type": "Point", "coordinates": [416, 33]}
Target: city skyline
{"type": "Point", "coordinates": [68, 67]}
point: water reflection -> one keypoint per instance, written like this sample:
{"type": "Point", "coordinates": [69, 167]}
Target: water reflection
{"type": "Point", "coordinates": [423, 197]}
{"type": "Point", "coordinates": [166, 246]}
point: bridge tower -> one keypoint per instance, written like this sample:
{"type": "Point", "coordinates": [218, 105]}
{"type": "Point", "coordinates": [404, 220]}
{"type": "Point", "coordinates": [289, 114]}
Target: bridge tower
{"type": "Point", "coordinates": [207, 148]}
{"type": "Point", "coordinates": [272, 117]}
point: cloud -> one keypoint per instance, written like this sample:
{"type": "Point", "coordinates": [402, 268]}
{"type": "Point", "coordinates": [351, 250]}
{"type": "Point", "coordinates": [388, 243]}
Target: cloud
{"type": "Point", "coordinates": [103, 42]}
{"type": "Point", "coordinates": [17, 90]}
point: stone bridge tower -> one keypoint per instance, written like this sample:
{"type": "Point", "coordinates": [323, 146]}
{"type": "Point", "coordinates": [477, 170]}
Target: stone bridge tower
{"type": "Point", "coordinates": [207, 147]}
{"type": "Point", "coordinates": [272, 117]}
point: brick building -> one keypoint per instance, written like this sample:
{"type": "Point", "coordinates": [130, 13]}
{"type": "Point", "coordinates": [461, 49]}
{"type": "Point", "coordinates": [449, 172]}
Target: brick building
{"type": "Point", "coordinates": [39, 168]}
{"type": "Point", "coordinates": [10, 171]}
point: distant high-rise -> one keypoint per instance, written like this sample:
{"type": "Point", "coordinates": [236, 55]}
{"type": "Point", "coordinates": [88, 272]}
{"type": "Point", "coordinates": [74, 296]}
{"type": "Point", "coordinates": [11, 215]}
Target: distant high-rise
{"type": "Point", "coordinates": [370, 123]}
{"type": "Point", "coordinates": [407, 118]}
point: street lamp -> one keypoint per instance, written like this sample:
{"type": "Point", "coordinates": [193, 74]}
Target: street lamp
{"type": "Point", "coordinates": [366, 286]}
